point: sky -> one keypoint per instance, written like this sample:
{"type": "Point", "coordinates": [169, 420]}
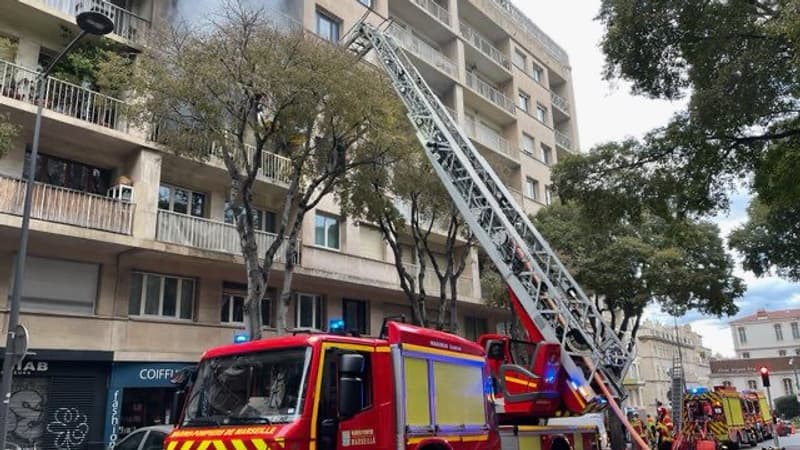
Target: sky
{"type": "Point", "coordinates": [607, 111]}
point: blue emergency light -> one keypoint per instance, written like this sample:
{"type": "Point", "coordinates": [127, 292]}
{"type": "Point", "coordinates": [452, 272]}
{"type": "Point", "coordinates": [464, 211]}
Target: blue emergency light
{"type": "Point", "coordinates": [336, 326]}
{"type": "Point", "coordinates": [698, 390]}
{"type": "Point", "coordinates": [240, 338]}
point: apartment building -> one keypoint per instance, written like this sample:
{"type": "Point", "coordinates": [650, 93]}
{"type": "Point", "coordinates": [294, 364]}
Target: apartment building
{"type": "Point", "coordinates": [765, 334]}
{"type": "Point", "coordinates": [743, 374]}
{"type": "Point", "coordinates": [133, 268]}
{"type": "Point", "coordinates": [657, 346]}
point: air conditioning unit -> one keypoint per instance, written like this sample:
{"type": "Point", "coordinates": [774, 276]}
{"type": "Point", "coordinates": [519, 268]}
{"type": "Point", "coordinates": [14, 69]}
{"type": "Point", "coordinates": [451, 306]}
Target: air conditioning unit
{"type": "Point", "coordinates": [121, 192]}
{"type": "Point", "coordinates": [95, 16]}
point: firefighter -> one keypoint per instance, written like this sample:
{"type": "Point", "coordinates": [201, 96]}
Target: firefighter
{"type": "Point", "coordinates": [664, 429]}
{"type": "Point", "coordinates": [637, 424]}
{"type": "Point", "coordinates": [651, 430]}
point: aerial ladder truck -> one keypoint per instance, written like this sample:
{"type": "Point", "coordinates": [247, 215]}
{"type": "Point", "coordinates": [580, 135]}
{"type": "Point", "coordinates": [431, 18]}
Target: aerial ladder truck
{"type": "Point", "coordinates": [578, 364]}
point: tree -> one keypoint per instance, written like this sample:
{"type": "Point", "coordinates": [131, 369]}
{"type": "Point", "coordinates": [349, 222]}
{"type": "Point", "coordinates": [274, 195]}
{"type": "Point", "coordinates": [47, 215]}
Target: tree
{"type": "Point", "coordinates": [8, 132]}
{"type": "Point", "coordinates": [243, 84]}
{"type": "Point", "coordinates": [787, 406]}
{"type": "Point", "coordinates": [413, 210]}
{"type": "Point", "coordinates": [768, 240]}
{"type": "Point", "coordinates": [625, 266]}
{"type": "Point", "coordinates": [736, 61]}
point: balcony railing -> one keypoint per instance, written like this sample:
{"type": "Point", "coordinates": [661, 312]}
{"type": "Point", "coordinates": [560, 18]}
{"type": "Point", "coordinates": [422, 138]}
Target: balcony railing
{"type": "Point", "coordinates": [213, 235]}
{"type": "Point", "coordinates": [489, 138]}
{"type": "Point", "coordinates": [488, 92]}
{"type": "Point", "coordinates": [563, 140]}
{"type": "Point", "coordinates": [67, 206]}
{"type": "Point", "coordinates": [423, 50]}
{"type": "Point", "coordinates": [432, 284]}
{"type": "Point", "coordinates": [19, 83]}
{"type": "Point", "coordinates": [440, 13]}
{"type": "Point", "coordinates": [484, 45]}
{"type": "Point", "coordinates": [518, 17]}
{"type": "Point", "coordinates": [273, 166]}
{"type": "Point", "coordinates": [560, 102]}
{"type": "Point", "coordinates": [127, 25]}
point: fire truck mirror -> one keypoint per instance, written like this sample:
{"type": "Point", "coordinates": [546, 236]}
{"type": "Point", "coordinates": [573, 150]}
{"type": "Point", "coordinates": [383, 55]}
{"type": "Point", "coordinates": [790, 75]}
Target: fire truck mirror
{"type": "Point", "coordinates": [351, 395]}
{"type": "Point", "coordinates": [495, 350]}
{"type": "Point", "coordinates": [351, 364]}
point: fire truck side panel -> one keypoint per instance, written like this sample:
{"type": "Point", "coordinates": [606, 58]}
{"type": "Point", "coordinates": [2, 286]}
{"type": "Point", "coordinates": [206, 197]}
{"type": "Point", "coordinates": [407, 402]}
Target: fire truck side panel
{"type": "Point", "coordinates": [580, 437]}
{"type": "Point", "coordinates": [763, 407]}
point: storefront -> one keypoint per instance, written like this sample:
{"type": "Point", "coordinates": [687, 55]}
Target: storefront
{"type": "Point", "coordinates": [53, 402]}
{"type": "Point", "coordinates": [140, 394]}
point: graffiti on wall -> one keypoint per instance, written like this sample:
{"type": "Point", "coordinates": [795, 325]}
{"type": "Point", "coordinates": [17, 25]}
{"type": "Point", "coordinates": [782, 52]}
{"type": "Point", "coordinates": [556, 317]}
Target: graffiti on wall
{"type": "Point", "coordinates": [69, 428]}
{"type": "Point", "coordinates": [26, 421]}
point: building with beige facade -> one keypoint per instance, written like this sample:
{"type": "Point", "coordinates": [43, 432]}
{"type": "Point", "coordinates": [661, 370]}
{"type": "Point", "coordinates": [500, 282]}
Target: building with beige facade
{"type": "Point", "coordinates": [133, 269]}
{"type": "Point", "coordinates": [765, 334]}
{"type": "Point", "coordinates": [657, 346]}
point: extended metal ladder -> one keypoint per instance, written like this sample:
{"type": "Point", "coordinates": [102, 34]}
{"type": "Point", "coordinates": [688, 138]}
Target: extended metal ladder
{"type": "Point", "coordinates": [547, 293]}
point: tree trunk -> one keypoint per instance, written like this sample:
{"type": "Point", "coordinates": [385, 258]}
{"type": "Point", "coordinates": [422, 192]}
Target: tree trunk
{"type": "Point", "coordinates": [453, 305]}
{"type": "Point", "coordinates": [281, 321]}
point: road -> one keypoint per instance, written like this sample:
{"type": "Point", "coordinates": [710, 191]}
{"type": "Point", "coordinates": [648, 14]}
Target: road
{"type": "Point", "coordinates": [791, 442]}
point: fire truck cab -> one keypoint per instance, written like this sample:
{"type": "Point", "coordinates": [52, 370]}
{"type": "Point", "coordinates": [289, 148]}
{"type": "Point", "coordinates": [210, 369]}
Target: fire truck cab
{"type": "Point", "coordinates": [714, 414]}
{"type": "Point", "coordinates": [414, 389]}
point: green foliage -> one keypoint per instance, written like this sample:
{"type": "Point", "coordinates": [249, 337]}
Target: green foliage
{"type": "Point", "coordinates": [625, 265]}
{"type": "Point", "coordinates": [99, 62]}
{"type": "Point", "coordinates": [8, 133]}
{"type": "Point", "coordinates": [787, 406]}
{"type": "Point", "coordinates": [247, 87]}
{"type": "Point", "coordinates": [738, 64]}
{"type": "Point", "coordinates": [768, 240]}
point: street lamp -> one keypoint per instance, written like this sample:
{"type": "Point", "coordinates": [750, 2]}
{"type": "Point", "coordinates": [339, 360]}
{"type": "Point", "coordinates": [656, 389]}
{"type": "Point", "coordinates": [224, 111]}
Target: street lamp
{"type": "Point", "coordinates": [93, 17]}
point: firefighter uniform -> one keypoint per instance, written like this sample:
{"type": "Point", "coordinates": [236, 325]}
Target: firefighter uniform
{"type": "Point", "coordinates": [664, 430]}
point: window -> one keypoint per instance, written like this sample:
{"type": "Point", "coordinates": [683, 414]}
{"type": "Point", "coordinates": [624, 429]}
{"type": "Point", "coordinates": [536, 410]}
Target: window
{"type": "Point", "coordinates": [182, 201]}
{"type": "Point", "coordinates": [795, 331]}
{"type": "Point", "coordinates": [541, 113]}
{"type": "Point", "coordinates": [532, 188]}
{"type": "Point", "coordinates": [528, 144]}
{"type": "Point", "coordinates": [548, 195]}
{"type": "Point", "coordinates": [547, 155]}
{"type": "Point", "coordinates": [781, 352]}
{"type": "Point", "coordinates": [778, 332]}
{"type": "Point", "coordinates": [132, 441]}
{"type": "Point", "coordinates": [232, 307]}
{"type": "Point", "coordinates": [154, 441]}
{"type": "Point", "coordinates": [262, 220]}
{"type": "Point", "coordinates": [367, 3]}
{"type": "Point", "coordinates": [70, 174]}
{"type": "Point", "coordinates": [746, 355]}
{"type": "Point", "coordinates": [523, 101]}
{"type": "Point", "coordinates": [326, 231]}
{"type": "Point", "coordinates": [536, 73]}
{"type": "Point", "coordinates": [474, 327]}
{"type": "Point", "coordinates": [742, 335]}
{"type": "Point", "coordinates": [328, 27]}
{"type": "Point", "coordinates": [309, 311]}
{"type": "Point", "coordinates": [56, 285]}
{"type": "Point", "coordinates": [161, 295]}
{"type": "Point", "coordinates": [519, 59]}
{"type": "Point", "coordinates": [354, 314]}
{"type": "Point", "coordinates": [788, 388]}
{"type": "Point", "coordinates": [752, 385]}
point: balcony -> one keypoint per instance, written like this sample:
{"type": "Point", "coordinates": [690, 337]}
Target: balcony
{"type": "Point", "coordinates": [560, 107]}
{"type": "Point", "coordinates": [127, 25]}
{"type": "Point", "coordinates": [211, 235]}
{"type": "Point", "coordinates": [484, 46]}
{"type": "Point", "coordinates": [67, 206]}
{"type": "Point", "coordinates": [438, 12]}
{"type": "Point", "coordinates": [526, 24]}
{"type": "Point", "coordinates": [274, 167]}
{"type": "Point", "coordinates": [432, 284]}
{"type": "Point", "coordinates": [563, 141]}
{"type": "Point", "coordinates": [490, 139]}
{"type": "Point", "coordinates": [19, 83]}
{"type": "Point", "coordinates": [423, 50]}
{"type": "Point", "coordinates": [490, 94]}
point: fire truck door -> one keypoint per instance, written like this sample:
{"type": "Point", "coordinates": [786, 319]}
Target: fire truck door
{"type": "Point", "coordinates": [346, 413]}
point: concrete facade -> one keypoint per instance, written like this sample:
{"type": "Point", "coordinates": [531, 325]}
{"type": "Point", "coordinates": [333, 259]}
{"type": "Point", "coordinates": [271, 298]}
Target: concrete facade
{"type": "Point", "coordinates": [656, 346]}
{"type": "Point", "coordinates": [744, 374]}
{"type": "Point", "coordinates": [496, 54]}
{"type": "Point", "coordinates": [766, 334]}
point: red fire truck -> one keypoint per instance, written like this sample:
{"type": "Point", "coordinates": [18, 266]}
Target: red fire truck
{"type": "Point", "coordinates": [414, 388]}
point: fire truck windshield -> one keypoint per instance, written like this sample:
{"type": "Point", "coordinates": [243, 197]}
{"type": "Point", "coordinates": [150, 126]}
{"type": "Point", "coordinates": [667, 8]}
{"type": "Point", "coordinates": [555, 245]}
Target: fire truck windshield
{"type": "Point", "coordinates": [259, 387]}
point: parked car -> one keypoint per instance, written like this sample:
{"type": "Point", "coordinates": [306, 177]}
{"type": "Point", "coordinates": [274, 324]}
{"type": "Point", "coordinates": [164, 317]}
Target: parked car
{"type": "Point", "coordinates": [147, 438]}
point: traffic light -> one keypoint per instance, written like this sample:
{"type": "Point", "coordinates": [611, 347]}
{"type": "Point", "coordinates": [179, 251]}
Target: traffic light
{"type": "Point", "coordinates": [764, 376]}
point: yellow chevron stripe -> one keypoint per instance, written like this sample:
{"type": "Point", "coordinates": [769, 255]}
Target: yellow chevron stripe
{"type": "Point", "coordinates": [259, 444]}
{"type": "Point", "coordinates": [238, 444]}
{"type": "Point", "coordinates": [203, 445]}
{"type": "Point", "coordinates": [172, 445]}
{"type": "Point", "coordinates": [219, 445]}
{"type": "Point", "coordinates": [187, 445]}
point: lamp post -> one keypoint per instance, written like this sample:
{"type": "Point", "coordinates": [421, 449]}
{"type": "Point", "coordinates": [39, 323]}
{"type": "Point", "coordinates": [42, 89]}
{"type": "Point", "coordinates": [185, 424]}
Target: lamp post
{"type": "Point", "coordinates": [93, 17]}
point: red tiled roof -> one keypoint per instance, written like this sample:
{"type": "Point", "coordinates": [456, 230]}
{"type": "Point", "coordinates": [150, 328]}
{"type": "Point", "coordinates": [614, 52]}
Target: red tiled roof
{"type": "Point", "coordinates": [732, 366]}
{"type": "Point", "coordinates": [763, 314]}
